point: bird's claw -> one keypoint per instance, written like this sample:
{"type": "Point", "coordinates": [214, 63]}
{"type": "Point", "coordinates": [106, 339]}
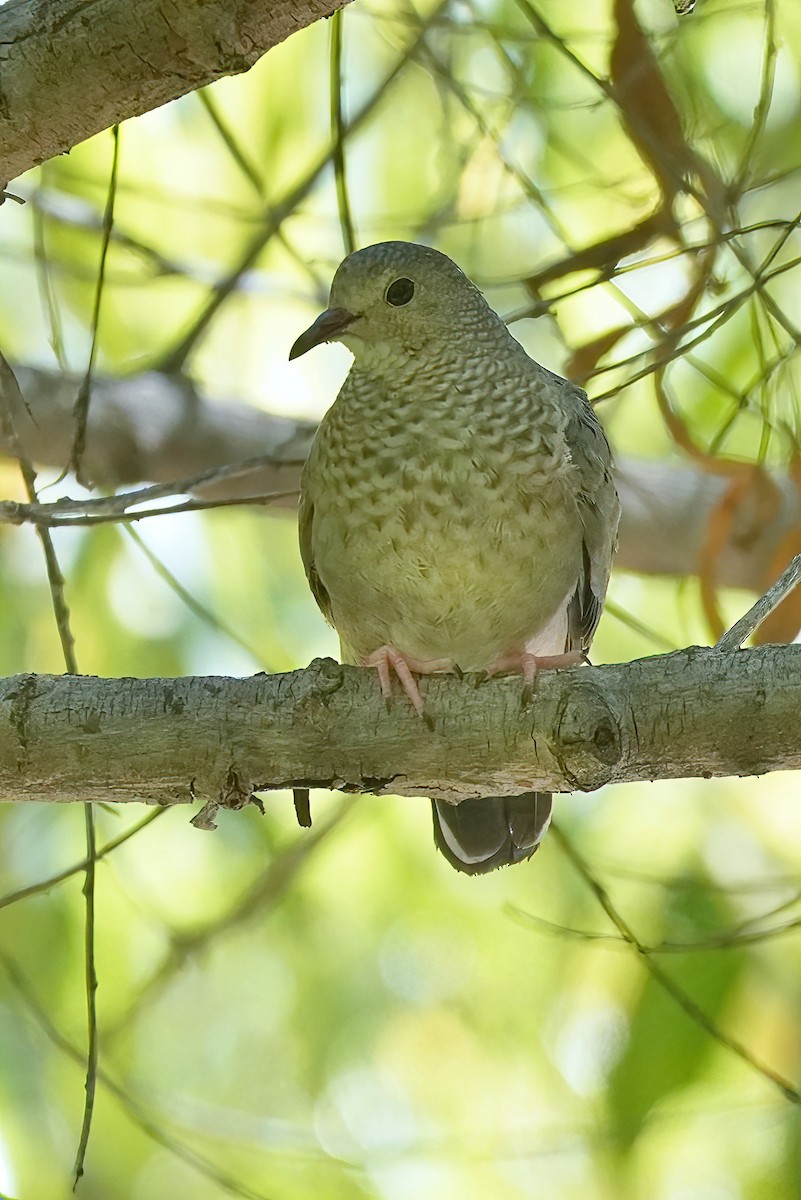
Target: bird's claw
{"type": "Point", "coordinates": [529, 666]}
{"type": "Point", "coordinates": [388, 659]}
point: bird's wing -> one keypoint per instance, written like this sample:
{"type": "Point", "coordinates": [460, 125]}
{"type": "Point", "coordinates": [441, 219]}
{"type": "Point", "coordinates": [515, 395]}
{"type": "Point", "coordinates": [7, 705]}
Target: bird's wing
{"type": "Point", "coordinates": [305, 530]}
{"type": "Point", "coordinates": [599, 509]}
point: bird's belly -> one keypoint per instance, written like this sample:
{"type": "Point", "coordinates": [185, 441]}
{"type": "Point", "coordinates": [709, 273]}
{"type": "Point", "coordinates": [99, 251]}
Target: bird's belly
{"type": "Point", "coordinates": [442, 585]}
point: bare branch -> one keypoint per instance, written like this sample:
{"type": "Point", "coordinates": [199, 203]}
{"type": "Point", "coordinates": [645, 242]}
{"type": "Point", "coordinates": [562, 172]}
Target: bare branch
{"type": "Point", "coordinates": [70, 70]}
{"type": "Point", "coordinates": [695, 713]}
{"type": "Point", "coordinates": [764, 606]}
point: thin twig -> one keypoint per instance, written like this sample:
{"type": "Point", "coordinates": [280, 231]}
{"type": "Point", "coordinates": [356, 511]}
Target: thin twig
{"type": "Point", "coordinates": [9, 394]}
{"type": "Point", "coordinates": [151, 1127]}
{"type": "Point", "coordinates": [11, 397]}
{"type": "Point", "coordinates": [273, 218]}
{"type": "Point", "coordinates": [759, 612]}
{"type": "Point", "coordinates": [90, 981]}
{"type": "Point", "coordinates": [193, 604]}
{"type": "Point", "coordinates": [262, 895]}
{"type": "Point", "coordinates": [80, 411]}
{"type": "Point", "coordinates": [338, 133]}
{"type": "Point", "coordinates": [109, 508]}
{"type": "Point", "coordinates": [238, 155]}
{"type": "Point", "coordinates": [13, 513]}
{"type": "Point", "coordinates": [666, 981]}
{"type": "Point", "coordinates": [44, 885]}
{"type": "Point", "coordinates": [731, 940]}
{"type": "Point", "coordinates": [45, 282]}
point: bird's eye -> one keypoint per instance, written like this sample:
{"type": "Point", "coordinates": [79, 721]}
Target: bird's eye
{"type": "Point", "coordinates": [400, 292]}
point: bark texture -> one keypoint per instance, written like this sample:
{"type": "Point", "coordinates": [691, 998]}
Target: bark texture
{"type": "Point", "coordinates": [69, 68]}
{"type": "Point", "coordinates": [156, 428]}
{"type": "Point", "coordinates": [695, 713]}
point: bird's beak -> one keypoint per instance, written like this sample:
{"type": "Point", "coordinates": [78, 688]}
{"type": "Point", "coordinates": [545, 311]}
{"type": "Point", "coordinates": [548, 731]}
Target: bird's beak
{"type": "Point", "coordinates": [328, 326]}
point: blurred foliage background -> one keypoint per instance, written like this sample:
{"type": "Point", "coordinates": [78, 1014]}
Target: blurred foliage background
{"type": "Point", "coordinates": [334, 1012]}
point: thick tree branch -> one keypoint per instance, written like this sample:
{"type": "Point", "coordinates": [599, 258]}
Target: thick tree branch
{"type": "Point", "coordinates": [68, 70]}
{"type": "Point", "coordinates": [153, 427]}
{"type": "Point", "coordinates": [698, 712]}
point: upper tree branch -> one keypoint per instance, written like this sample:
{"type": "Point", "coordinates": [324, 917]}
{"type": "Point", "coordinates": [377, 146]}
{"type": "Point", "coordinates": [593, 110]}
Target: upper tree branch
{"type": "Point", "coordinates": [698, 712]}
{"type": "Point", "coordinates": [68, 70]}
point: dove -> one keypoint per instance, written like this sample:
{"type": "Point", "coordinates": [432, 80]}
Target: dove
{"type": "Point", "coordinates": [457, 508]}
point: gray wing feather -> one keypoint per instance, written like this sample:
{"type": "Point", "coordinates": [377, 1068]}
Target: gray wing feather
{"type": "Point", "coordinates": [599, 508]}
{"type": "Point", "coordinates": [305, 528]}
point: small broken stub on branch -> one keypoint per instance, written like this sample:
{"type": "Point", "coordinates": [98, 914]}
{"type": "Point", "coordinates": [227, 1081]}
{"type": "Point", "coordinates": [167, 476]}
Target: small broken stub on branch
{"type": "Point", "coordinates": [205, 819]}
{"type": "Point", "coordinates": [234, 795]}
{"type": "Point", "coordinates": [302, 807]}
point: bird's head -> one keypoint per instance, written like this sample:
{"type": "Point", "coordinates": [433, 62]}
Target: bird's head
{"type": "Point", "coordinates": [396, 295]}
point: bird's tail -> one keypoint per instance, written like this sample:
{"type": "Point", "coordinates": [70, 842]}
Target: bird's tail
{"type": "Point", "coordinates": [477, 836]}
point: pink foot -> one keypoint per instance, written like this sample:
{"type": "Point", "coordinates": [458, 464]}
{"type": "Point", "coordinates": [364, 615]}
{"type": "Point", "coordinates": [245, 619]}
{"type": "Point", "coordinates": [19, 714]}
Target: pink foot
{"type": "Point", "coordinates": [529, 664]}
{"type": "Point", "coordinates": [388, 658]}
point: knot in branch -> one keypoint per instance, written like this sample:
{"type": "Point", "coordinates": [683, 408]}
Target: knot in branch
{"type": "Point", "coordinates": [588, 736]}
